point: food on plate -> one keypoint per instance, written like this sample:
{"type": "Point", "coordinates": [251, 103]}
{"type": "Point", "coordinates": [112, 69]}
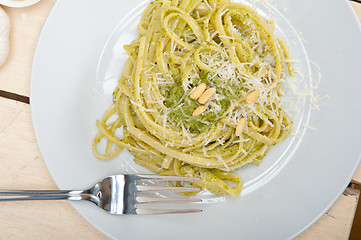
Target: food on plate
{"type": "Point", "coordinates": [200, 94]}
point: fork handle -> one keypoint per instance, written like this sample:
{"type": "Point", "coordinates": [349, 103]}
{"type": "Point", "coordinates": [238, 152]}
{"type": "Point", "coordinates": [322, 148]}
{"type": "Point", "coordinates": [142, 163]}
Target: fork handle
{"type": "Point", "coordinates": [31, 192]}
{"type": "Point", "coordinates": [44, 197]}
{"type": "Point", "coordinates": [14, 195]}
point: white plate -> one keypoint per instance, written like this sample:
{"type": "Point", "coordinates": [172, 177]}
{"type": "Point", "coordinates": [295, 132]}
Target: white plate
{"type": "Point", "coordinates": [75, 69]}
{"type": "Point", "coordinates": [18, 3]}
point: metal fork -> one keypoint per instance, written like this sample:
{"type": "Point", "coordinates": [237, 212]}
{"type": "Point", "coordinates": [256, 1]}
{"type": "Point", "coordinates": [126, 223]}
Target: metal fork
{"type": "Point", "coordinates": [117, 194]}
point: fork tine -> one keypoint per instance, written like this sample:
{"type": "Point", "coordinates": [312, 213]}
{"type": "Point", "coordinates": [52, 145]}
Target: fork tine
{"type": "Point", "coordinates": [166, 200]}
{"type": "Point", "coordinates": [165, 211]}
{"type": "Point", "coordinates": [166, 189]}
{"type": "Point", "coordinates": [167, 178]}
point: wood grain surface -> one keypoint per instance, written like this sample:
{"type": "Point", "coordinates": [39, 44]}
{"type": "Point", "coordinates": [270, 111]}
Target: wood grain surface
{"type": "Point", "coordinates": [26, 24]}
{"type": "Point", "coordinates": [22, 166]}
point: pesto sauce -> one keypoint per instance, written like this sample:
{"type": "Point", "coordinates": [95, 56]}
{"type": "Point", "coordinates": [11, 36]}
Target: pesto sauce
{"type": "Point", "coordinates": [181, 106]}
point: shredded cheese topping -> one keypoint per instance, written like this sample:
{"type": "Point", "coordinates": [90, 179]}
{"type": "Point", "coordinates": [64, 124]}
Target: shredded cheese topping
{"type": "Point", "coordinates": [182, 44]}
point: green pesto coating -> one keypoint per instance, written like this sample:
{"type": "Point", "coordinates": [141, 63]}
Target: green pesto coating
{"type": "Point", "coordinates": [181, 106]}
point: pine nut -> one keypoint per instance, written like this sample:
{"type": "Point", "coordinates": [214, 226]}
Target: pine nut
{"type": "Point", "coordinates": [199, 110]}
{"type": "Point", "coordinates": [198, 91]}
{"type": "Point", "coordinates": [240, 126]}
{"type": "Point", "coordinates": [206, 95]}
{"type": "Point", "coordinates": [269, 128]}
{"type": "Point", "coordinates": [252, 97]}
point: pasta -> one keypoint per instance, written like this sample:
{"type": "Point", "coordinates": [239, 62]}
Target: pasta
{"type": "Point", "coordinates": [200, 94]}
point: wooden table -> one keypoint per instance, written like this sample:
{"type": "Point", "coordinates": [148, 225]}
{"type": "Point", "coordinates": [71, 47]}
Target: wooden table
{"type": "Point", "coordinates": [22, 166]}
